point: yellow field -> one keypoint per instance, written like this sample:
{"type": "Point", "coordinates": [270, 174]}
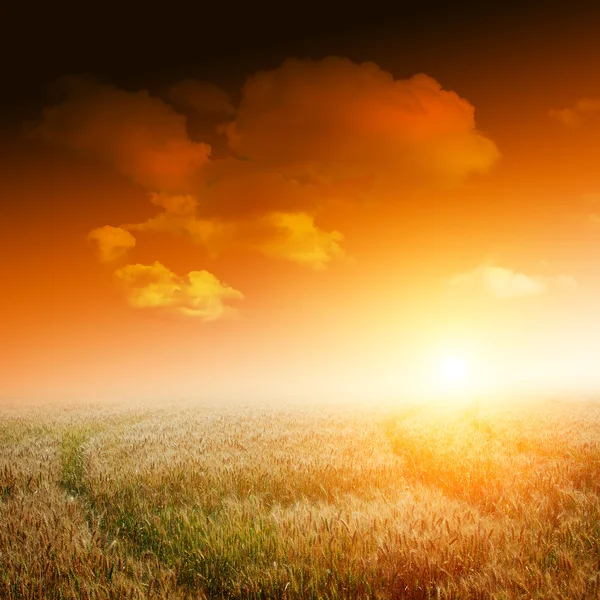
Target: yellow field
{"type": "Point", "coordinates": [490, 501]}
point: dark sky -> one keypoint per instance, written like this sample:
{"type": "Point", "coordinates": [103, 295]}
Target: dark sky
{"type": "Point", "coordinates": [150, 44]}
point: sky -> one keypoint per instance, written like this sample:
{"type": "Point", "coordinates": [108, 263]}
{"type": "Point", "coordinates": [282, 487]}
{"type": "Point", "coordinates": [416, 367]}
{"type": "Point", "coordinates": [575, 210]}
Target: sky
{"type": "Point", "coordinates": [243, 203]}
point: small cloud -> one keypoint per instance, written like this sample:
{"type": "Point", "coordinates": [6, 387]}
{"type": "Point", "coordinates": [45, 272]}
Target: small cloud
{"type": "Point", "coordinates": [503, 283]}
{"type": "Point", "coordinates": [200, 294]}
{"type": "Point", "coordinates": [574, 116]}
{"type": "Point", "coordinates": [112, 242]}
{"type": "Point", "coordinates": [295, 237]}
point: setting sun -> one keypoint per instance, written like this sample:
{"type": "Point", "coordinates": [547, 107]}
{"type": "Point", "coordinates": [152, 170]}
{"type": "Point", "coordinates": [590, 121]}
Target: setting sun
{"type": "Point", "coordinates": [454, 369]}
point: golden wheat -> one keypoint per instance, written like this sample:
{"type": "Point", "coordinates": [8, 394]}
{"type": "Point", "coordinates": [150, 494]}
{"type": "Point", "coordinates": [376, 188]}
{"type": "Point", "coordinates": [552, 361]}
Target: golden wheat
{"type": "Point", "coordinates": [493, 501]}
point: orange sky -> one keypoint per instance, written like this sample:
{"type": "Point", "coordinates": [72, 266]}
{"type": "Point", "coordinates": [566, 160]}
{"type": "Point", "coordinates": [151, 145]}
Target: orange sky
{"type": "Point", "coordinates": [321, 230]}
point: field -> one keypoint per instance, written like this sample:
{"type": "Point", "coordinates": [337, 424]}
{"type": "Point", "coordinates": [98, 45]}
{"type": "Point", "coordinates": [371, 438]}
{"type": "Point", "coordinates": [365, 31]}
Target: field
{"type": "Point", "coordinates": [204, 501]}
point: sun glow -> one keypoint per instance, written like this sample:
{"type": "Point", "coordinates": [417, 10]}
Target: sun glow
{"type": "Point", "coordinates": [455, 372]}
{"type": "Point", "coordinates": [454, 369]}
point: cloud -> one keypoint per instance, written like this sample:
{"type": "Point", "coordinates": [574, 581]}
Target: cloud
{"type": "Point", "coordinates": [179, 218]}
{"type": "Point", "coordinates": [301, 135]}
{"type": "Point", "coordinates": [503, 283]}
{"type": "Point", "coordinates": [138, 135]}
{"type": "Point", "coordinates": [356, 118]}
{"type": "Point", "coordinates": [294, 237]}
{"type": "Point", "coordinates": [237, 189]}
{"type": "Point", "coordinates": [112, 242]}
{"type": "Point", "coordinates": [200, 294]}
{"type": "Point", "coordinates": [200, 96]}
{"type": "Point", "coordinates": [574, 116]}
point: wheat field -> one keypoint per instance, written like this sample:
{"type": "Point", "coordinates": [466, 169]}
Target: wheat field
{"type": "Point", "coordinates": [493, 500]}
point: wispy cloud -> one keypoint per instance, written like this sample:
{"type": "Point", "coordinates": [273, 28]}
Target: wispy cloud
{"type": "Point", "coordinates": [575, 115]}
{"type": "Point", "coordinates": [504, 283]}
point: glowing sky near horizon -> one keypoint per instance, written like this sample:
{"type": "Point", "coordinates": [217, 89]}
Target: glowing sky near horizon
{"type": "Point", "coordinates": [335, 226]}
